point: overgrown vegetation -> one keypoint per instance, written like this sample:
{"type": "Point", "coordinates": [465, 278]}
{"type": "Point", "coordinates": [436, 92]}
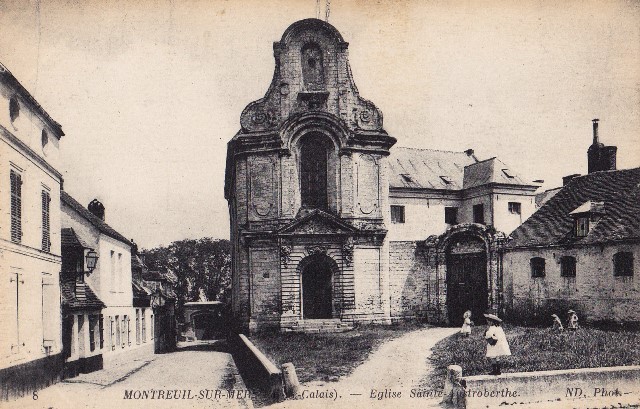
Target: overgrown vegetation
{"type": "Point", "coordinates": [203, 268]}
{"type": "Point", "coordinates": [536, 349]}
{"type": "Point", "coordinates": [328, 356]}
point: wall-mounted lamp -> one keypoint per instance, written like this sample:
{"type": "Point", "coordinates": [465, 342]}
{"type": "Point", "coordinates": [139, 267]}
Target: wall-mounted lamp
{"type": "Point", "coordinates": [91, 258]}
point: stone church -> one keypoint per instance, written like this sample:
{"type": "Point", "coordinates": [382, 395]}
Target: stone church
{"type": "Point", "coordinates": [331, 226]}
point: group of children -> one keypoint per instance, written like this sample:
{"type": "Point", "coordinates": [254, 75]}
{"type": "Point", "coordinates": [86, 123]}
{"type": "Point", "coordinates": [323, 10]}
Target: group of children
{"type": "Point", "coordinates": [497, 345]}
{"type": "Point", "coordinates": [572, 321]}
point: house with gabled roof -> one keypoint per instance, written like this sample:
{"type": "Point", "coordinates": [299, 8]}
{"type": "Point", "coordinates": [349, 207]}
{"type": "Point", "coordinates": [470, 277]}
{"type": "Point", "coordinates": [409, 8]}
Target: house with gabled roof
{"type": "Point", "coordinates": [111, 281]}
{"type": "Point", "coordinates": [580, 250]}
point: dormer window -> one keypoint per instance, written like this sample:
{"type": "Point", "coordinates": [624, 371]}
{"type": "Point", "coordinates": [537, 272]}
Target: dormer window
{"type": "Point", "coordinates": [14, 109]}
{"type": "Point", "coordinates": [507, 173]}
{"type": "Point", "coordinates": [586, 216]}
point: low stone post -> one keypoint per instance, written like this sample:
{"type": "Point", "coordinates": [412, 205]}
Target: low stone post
{"type": "Point", "coordinates": [290, 378]}
{"type": "Point", "coordinates": [453, 393]}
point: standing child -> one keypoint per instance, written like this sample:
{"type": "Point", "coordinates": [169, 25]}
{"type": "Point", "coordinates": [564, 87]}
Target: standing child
{"type": "Point", "coordinates": [572, 320]}
{"type": "Point", "coordinates": [557, 324]}
{"type": "Point", "coordinates": [466, 325]}
{"type": "Point", "coordinates": [497, 344]}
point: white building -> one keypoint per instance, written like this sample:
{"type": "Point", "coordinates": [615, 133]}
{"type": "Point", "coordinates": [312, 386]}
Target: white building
{"type": "Point", "coordinates": [30, 335]}
{"type": "Point", "coordinates": [111, 282]}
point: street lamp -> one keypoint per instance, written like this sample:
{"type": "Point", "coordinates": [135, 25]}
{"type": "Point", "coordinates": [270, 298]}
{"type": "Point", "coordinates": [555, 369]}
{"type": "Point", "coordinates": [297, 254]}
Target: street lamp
{"type": "Point", "coordinates": [91, 257]}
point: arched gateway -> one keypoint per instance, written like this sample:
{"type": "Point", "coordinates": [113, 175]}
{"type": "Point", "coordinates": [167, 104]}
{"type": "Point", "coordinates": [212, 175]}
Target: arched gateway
{"type": "Point", "coordinates": [316, 273]}
{"type": "Point", "coordinates": [465, 264]}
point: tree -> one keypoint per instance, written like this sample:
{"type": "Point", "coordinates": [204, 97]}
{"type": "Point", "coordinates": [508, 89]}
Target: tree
{"type": "Point", "coordinates": [203, 268]}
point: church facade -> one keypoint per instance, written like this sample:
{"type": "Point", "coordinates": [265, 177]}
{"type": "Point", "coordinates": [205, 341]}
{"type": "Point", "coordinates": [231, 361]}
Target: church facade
{"type": "Point", "coordinates": [331, 225]}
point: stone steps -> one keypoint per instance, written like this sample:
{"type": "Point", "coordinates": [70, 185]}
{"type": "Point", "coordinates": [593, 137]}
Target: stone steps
{"type": "Point", "coordinates": [318, 326]}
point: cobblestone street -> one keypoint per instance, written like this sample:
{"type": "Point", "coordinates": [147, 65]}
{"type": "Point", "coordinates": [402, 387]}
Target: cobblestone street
{"type": "Point", "coordinates": [198, 375]}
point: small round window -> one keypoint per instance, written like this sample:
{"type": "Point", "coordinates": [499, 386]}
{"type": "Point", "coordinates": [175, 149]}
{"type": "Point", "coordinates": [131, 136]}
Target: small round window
{"type": "Point", "coordinates": [14, 109]}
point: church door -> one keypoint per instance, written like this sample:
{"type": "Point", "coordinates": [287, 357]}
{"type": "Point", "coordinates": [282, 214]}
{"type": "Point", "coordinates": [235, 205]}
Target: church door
{"type": "Point", "coordinates": [466, 286]}
{"type": "Point", "coordinates": [316, 288]}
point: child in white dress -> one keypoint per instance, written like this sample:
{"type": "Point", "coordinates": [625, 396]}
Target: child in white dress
{"type": "Point", "coordinates": [466, 325]}
{"type": "Point", "coordinates": [497, 344]}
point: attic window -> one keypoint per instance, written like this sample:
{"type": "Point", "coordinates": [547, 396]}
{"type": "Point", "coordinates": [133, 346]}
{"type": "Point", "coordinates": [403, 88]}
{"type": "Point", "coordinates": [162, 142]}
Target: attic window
{"type": "Point", "coordinates": [507, 173]}
{"type": "Point", "coordinates": [14, 108]}
{"type": "Point", "coordinates": [446, 179]}
{"type": "Point", "coordinates": [406, 177]}
{"type": "Point", "coordinates": [582, 226]}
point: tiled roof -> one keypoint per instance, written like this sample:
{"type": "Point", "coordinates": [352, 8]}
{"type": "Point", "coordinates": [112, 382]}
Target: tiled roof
{"type": "Point", "coordinates": [69, 238]}
{"type": "Point", "coordinates": [488, 171]}
{"type": "Point", "coordinates": [98, 223]}
{"type": "Point", "coordinates": [543, 197]}
{"type": "Point", "coordinates": [77, 296]}
{"type": "Point", "coordinates": [424, 168]}
{"type": "Point", "coordinates": [445, 170]}
{"type": "Point", "coordinates": [552, 224]}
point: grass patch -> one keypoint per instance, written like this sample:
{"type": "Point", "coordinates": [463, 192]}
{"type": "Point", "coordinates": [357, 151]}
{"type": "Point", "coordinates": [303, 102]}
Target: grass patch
{"type": "Point", "coordinates": [536, 349]}
{"type": "Point", "coordinates": [329, 356]}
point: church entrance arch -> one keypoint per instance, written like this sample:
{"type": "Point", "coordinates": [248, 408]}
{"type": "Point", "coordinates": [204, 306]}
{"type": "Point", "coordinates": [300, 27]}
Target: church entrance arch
{"type": "Point", "coordinates": [466, 258]}
{"type": "Point", "coordinates": [317, 285]}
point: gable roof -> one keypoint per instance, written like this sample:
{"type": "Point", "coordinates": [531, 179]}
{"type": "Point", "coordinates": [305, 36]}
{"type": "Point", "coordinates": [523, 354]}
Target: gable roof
{"type": "Point", "coordinates": [316, 221]}
{"type": "Point", "coordinates": [98, 223]}
{"type": "Point", "coordinates": [553, 223]}
{"type": "Point", "coordinates": [423, 168]}
{"type": "Point", "coordinates": [490, 171]}
{"type": "Point", "coordinates": [446, 170]}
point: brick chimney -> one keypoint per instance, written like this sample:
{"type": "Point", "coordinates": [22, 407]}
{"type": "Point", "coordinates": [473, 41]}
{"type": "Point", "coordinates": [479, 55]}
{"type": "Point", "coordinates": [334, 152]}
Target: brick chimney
{"type": "Point", "coordinates": [97, 209]}
{"type": "Point", "coordinates": [599, 156]}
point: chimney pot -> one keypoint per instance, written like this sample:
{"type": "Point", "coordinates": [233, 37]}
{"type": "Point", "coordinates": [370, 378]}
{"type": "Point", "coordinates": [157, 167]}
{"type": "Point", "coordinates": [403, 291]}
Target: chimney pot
{"type": "Point", "coordinates": [97, 209]}
{"type": "Point", "coordinates": [595, 130]}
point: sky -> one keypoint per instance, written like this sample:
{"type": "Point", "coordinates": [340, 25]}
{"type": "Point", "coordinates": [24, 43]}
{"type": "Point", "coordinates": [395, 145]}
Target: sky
{"type": "Point", "coordinates": [149, 92]}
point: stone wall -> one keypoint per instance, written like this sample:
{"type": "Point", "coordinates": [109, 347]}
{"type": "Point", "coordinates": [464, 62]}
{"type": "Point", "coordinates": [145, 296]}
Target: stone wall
{"type": "Point", "coordinates": [595, 293]}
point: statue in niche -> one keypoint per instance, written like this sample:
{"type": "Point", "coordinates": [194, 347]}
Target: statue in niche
{"type": "Point", "coordinates": [312, 67]}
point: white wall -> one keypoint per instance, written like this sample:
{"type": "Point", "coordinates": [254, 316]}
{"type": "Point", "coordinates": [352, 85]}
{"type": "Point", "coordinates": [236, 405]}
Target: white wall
{"type": "Point", "coordinates": [25, 323]}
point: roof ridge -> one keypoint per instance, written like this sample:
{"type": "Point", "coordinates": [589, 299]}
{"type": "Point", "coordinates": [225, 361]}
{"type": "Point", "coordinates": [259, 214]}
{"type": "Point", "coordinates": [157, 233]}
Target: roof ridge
{"type": "Point", "coordinates": [428, 149]}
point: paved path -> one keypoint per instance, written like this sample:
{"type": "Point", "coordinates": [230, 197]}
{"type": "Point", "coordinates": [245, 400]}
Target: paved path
{"type": "Point", "coordinates": [389, 375]}
{"type": "Point", "coordinates": [205, 370]}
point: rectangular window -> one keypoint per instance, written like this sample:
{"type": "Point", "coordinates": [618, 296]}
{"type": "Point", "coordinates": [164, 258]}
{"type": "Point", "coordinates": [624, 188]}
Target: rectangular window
{"type": "Point", "coordinates": [478, 213]}
{"type": "Point", "coordinates": [397, 214]}
{"type": "Point", "coordinates": [451, 215]}
{"type": "Point", "coordinates": [112, 335]}
{"type": "Point", "coordinates": [118, 329]}
{"type": "Point", "coordinates": [112, 272]}
{"type": "Point", "coordinates": [568, 266]}
{"type": "Point", "coordinates": [16, 206]}
{"type": "Point", "coordinates": [623, 264]}
{"type": "Point", "coordinates": [137, 326]}
{"type": "Point", "coordinates": [93, 320]}
{"type": "Point", "coordinates": [46, 227]}
{"type": "Point", "coordinates": [101, 331]}
{"type": "Point", "coordinates": [119, 273]}
{"type": "Point", "coordinates": [582, 226]}
{"type": "Point", "coordinates": [49, 302]}
{"type": "Point", "coordinates": [515, 208]}
{"type": "Point", "coordinates": [16, 281]}
{"type": "Point", "coordinates": [537, 267]}
{"type": "Point", "coordinates": [144, 326]}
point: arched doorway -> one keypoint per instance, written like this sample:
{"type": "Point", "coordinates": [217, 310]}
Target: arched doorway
{"type": "Point", "coordinates": [317, 284]}
{"type": "Point", "coordinates": [466, 279]}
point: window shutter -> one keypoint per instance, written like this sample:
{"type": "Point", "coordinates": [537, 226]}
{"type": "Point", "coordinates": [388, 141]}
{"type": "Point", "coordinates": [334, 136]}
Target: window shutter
{"type": "Point", "coordinates": [16, 207]}
{"type": "Point", "coordinates": [50, 305]}
{"type": "Point", "coordinates": [46, 227]}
